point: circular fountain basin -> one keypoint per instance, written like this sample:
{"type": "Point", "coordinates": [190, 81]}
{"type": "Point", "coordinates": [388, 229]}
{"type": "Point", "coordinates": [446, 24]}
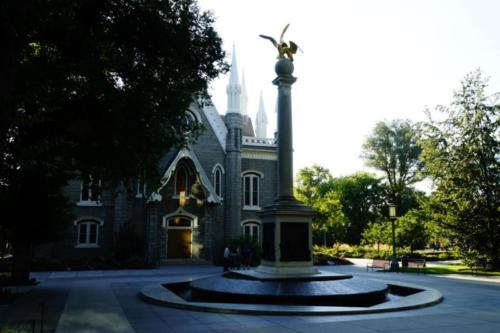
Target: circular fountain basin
{"type": "Point", "coordinates": [337, 294]}
{"type": "Point", "coordinates": [339, 291]}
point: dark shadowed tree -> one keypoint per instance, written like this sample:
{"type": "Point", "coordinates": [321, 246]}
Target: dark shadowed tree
{"type": "Point", "coordinates": [462, 156]}
{"type": "Point", "coordinates": [99, 86]}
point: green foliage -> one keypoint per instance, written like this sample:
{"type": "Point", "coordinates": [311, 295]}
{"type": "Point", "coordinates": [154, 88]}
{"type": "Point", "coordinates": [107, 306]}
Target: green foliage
{"type": "Point", "coordinates": [314, 189]}
{"type": "Point", "coordinates": [329, 219]}
{"type": "Point", "coordinates": [412, 230]}
{"type": "Point", "coordinates": [312, 183]}
{"type": "Point", "coordinates": [355, 251]}
{"type": "Point", "coordinates": [378, 232]}
{"type": "Point", "coordinates": [324, 256]}
{"type": "Point", "coordinates": [8, 329]}
{"type": "Point", "coordinates": [362, 197]}
{"type": "Point", "coordinates": [392, 148]}
{"type": "Point", "coordinates": [461, 155]}
{"type": "Point", "coordinates": [343, 205]}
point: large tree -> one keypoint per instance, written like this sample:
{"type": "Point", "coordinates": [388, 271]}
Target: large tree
{"type": "Point", "coordinates": [314, 188]}
{"type": "Point", "coordinates": [344, 206]}
{"type": "Point", "coordinates": [99, 86]}
{"type": "Point", "coordinates": [362, 196]}
{"type": "Point", "coordinates": [392, 148]}
{"type": "Point", "coordinates": [462, 156]}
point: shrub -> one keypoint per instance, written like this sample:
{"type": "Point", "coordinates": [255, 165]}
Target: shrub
{"type": "Point", "coordinates": [254, 245]}
{"type": "Point", "coordinates": [12, 330]}
{"type": "Point", "coordinates": [358, 251]}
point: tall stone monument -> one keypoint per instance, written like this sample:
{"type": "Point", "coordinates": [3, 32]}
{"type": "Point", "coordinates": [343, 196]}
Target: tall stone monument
{"type": "Point", "coordinates": [286, 275]}
{"type": "Point", "coordinates": [287, 233]}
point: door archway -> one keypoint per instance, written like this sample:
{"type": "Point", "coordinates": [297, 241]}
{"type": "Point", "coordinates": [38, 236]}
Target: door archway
{"type": "Point", "coordinates": [179, 228]}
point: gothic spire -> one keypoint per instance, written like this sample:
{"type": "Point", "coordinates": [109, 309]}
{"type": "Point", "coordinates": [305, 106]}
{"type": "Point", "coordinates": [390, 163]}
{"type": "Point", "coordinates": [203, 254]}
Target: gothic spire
{"type": "Point", "coordinates": [233, 88]}
{"type": "Point", "coordinates": [261, 121]}
{"type": "Point", "coordinates": [244, 96]}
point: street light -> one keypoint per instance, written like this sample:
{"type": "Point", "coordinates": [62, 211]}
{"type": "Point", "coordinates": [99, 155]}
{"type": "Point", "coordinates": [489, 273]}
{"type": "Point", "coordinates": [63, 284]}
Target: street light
{"type": "Point", "coordinates": [394, 259]}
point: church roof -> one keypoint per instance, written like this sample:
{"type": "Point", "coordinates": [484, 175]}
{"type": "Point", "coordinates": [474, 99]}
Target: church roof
{"type": "Point", "coordinates": [246, 125]}
{"type": "Point", "coordinates": [212, 197]}
{"type": "Point", "coordinates": [218, 125]}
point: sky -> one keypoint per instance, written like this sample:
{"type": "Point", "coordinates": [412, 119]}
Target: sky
{"type": "Point", "coordinates": [364, 61]}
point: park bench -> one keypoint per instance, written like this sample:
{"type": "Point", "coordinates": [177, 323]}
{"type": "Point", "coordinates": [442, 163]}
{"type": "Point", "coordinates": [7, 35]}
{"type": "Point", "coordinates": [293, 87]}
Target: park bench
{"type": "Point", "coordinates": [379, 263]}
{"type": "Point", "coordinates": [416, 263]}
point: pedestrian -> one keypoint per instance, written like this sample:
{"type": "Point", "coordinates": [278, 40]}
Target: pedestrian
{"type": "Point", "coordinates": [237, 258]}
{"type": "Point", "coordinates": [227, 258]}
{"type": "Point", "coordinates": [246, 253]}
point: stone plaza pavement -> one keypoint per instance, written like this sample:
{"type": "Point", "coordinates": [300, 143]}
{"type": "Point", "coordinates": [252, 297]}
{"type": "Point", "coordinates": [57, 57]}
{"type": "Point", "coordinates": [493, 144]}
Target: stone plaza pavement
{"type": "Point", "coordinates": [107, 301]}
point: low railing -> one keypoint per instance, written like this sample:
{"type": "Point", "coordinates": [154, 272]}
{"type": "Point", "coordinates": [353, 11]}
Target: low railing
{"type": "Point", "coordinates": [248, 140]}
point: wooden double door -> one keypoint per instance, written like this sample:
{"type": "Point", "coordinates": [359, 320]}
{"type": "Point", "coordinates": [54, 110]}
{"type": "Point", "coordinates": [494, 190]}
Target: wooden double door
{"type": "Point", "coordinates": [179, 243]}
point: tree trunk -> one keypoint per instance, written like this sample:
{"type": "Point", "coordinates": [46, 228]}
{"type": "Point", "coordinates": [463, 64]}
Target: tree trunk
{"type": "Point", "coordinates": [21, 265]}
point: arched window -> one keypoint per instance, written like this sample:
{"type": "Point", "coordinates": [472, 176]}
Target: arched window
{"type": "Point", "coordinates": [179, 222]}
{"type": "Point", "coordinates": [140, 191]}
{"type": "Point", "coordinates": [217, 174]}
{"type": "Point", "coordinates": [181, 180]}
{"type": "Point", "coordinates": [251, 230]}
{"type": "Point", "coordinates": [88, 233]}
{"type": "Point", "coordinates": [251, 190]}
{"type": "Point", "coordinates": [188, 123]}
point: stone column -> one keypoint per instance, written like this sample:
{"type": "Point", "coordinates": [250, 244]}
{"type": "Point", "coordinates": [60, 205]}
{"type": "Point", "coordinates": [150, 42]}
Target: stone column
{"type": "Point", "coordinates": [286, 225]}
{"type": "Point", "coordinates": [232, 197]}
{"type": "Point", "coordinates": [284, 81]}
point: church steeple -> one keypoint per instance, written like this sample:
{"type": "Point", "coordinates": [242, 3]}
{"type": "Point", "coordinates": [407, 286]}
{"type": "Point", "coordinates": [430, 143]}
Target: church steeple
{"type": "Point", "coordinates": [261, 121]}
{"type": "Point", "coordinates": [244, 96]}
{"type": "Point", "coordinates": [233, 88]}
{"type": "Point", "coordinates": [233, 118]}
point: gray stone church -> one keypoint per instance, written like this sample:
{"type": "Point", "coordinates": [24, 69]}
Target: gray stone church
{"type": "Point", "coordinates": [210, 192]}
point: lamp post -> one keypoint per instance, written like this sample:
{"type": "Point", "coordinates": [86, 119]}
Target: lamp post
{"type": "Point", "coordinates": [394, 259]}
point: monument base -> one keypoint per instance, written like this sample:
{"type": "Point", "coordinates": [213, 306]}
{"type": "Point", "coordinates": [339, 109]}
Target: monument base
{"type": "Point", "coordinates": [287, 239]}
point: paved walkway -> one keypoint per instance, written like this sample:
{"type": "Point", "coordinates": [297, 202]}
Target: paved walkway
{"type": "Point", "coordinates": [107, 301]}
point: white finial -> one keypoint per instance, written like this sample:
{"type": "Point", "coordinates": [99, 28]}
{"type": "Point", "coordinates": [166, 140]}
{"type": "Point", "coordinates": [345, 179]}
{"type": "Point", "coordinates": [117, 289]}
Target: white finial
{"type": "Point", "coordinates": [261, 121]}
{"type": "Point", "coordinates": [233, 88]}
{"type": "Point", "coordinates": [244, 96]}
{"type": "Point", "coordinates": [233, 78]}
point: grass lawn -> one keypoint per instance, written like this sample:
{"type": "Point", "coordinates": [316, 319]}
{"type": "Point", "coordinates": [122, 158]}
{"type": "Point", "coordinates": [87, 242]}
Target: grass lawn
{"type": "Point", "coordinates": [449, 269]}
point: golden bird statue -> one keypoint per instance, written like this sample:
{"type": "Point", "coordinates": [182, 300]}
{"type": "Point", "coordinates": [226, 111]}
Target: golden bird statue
{"type": "Point", "coordinates": [284, 49]}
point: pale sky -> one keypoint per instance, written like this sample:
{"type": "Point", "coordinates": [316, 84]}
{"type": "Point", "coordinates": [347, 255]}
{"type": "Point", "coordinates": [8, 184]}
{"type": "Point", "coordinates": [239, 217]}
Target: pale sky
{"type": "Point", "coordinates": [364, 61]}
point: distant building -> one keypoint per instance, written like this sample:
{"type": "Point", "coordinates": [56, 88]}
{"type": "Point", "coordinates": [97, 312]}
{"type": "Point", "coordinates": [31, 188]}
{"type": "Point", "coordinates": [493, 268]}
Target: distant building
{"type": "Point", "coordinates": [209, 193]}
